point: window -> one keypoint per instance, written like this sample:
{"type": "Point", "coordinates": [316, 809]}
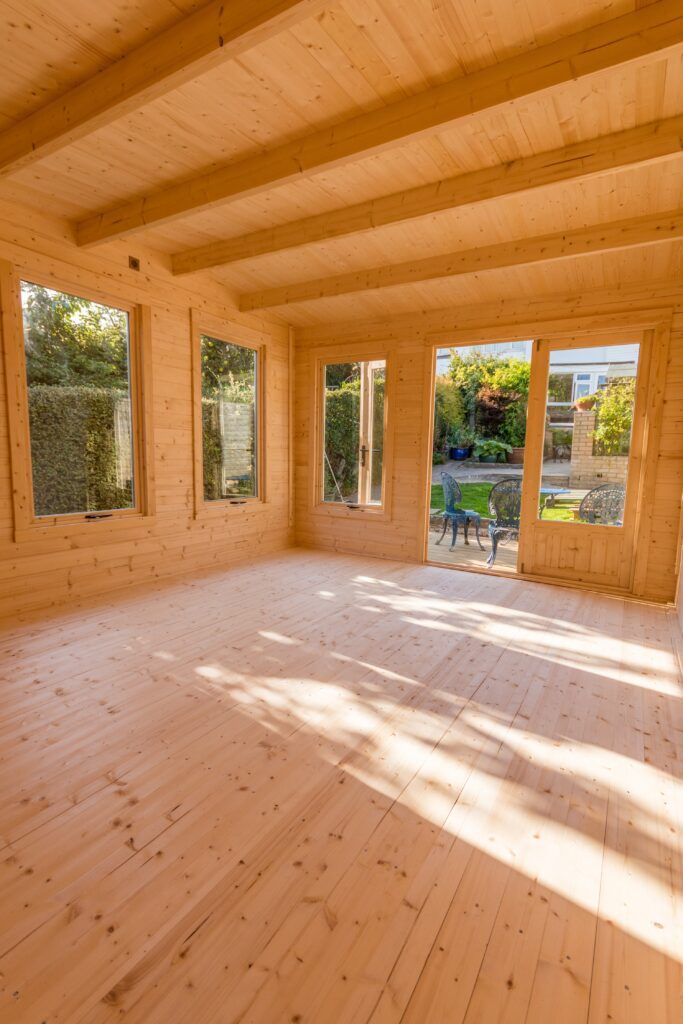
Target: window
{"type": "Point", "coordinates": [229, 375]}
{"type": "Point", "coordinates": [353, 433]}
{"type": "Point", "coordinates": [582, 385]}
{"type": "Point", "coordinates": [80, 414]}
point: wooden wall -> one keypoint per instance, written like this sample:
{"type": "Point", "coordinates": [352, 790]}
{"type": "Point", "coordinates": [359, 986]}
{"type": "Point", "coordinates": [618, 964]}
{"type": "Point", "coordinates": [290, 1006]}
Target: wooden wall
{"type": "Point", "coordinates": [44, 572]}
{"type": "Point", "coordinates": [101, 557]}
{"type": "Point", "coordinates": [411, 339]}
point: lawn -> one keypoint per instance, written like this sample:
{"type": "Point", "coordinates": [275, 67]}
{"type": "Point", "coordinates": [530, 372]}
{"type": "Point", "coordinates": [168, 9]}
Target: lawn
{"type": "Point", "coordinates": [475, 497]}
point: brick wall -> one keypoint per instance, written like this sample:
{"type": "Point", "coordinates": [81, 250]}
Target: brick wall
{"type": "Point", "coordinates": [588, 470]}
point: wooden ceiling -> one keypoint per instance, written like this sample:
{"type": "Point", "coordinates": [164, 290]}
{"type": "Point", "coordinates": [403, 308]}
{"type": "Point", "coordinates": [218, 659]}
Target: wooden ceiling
{"type": "Point", "coordinates": [302, 68]}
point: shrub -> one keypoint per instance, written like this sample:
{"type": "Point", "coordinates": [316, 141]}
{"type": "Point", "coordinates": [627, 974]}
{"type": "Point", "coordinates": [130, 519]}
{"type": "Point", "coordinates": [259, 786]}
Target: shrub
{"type": "Point", "coordinates": [78, 462]}
{"type": "Point", "coordinates": [490, 446]}
{"type": "Point", "coordinates": [449, 412]}
{"type": "Point", "coordinates": [491, 409]}
{"type": "Point", "coordinates": [494, 393]}
{"type": "Point", "coordinates": [513, 427]}
{"type": "Point", "coordinates": [342, 440]}
{"type": "Point", "coordinates": [614, 417]}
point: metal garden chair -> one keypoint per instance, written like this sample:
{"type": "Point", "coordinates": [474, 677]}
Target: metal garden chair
{"type": "Point", "coordinates": [604, 505]}
{"type": "Point", "coordinates": [453, 514]}
{"type": "Point", "coordinates": [505, 503]}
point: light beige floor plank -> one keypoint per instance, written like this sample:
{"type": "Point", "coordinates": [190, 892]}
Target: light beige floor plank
{"type": "Point", "coordinates": [327, 788]}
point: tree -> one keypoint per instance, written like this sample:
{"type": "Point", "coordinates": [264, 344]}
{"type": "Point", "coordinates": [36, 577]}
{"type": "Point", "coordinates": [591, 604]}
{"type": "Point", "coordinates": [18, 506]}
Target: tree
{"type": "Point", "coordinates": [449, 412]}
{"type": "Point", "coordinates": [495, 393]}
{"type": "Point", "coordinates": [227, 370]}
{"type": "Point", "coordinates": [73, 341]}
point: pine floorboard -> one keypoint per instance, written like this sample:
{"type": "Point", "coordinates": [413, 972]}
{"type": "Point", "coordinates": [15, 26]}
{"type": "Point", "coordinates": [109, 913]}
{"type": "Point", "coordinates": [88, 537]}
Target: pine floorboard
{"type": "Point", "coordinates": [323, 789]}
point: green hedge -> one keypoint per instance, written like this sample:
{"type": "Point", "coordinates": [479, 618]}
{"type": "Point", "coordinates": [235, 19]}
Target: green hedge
{"type": "Point", "coordinates": [342, 439]}
{"type": "Point", "coordinates": [73, 450]}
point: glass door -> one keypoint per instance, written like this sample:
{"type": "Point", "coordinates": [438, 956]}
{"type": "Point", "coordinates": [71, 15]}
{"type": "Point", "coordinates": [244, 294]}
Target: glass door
{"type": "Point", "coordinates": [479, 455]}
{"type": "Point", "coordinates": [536, 456]}
{"type": "Point", "coordinates": [585, 427]}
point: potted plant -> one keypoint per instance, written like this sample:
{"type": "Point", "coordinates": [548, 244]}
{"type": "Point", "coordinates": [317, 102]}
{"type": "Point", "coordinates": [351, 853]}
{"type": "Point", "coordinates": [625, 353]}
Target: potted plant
{"type": "Point", "coordinates": [460, 441]}
{"type": "Point", "coordinates": [488, 449]}
{"type": "Point", "coordinates": [586, 403]}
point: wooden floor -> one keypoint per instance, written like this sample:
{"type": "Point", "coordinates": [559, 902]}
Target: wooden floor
{"type": "Point", "coordinates": [470, 556]}
{"type": "Point", "coordinates": [329, 789]}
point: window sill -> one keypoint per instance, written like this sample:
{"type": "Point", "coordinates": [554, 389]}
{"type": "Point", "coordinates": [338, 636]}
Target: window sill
{"type": "Point", "coordinates": [379, 514]}
{"type": "Point", "coordinates": [216, 509]}
{"type": "Point", "coordinates": [80, 528]}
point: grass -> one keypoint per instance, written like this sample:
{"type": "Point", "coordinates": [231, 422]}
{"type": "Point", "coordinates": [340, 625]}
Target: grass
{"type": "Point", "coordinates": [475, 497]}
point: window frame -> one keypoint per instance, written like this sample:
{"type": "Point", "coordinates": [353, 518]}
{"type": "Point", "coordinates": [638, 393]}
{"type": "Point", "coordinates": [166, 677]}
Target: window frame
{"type": "Point", "coordinates": [230, 333]}
{"type": "Point", "coordinates": [330, 356]}
{"type": "Point", "coordinates": [28, 525]}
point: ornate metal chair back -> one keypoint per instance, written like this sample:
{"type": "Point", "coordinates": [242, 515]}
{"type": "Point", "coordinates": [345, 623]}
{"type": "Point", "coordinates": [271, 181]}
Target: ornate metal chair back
{"type": "Point", "coordinates": [452, 495]}
{"type": "Point", "coordinates": [604, 504]}
{"type": "Point", "coordinates": [505, 502]}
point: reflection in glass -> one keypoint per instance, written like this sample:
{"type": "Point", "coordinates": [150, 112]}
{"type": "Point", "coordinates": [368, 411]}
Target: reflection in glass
{"type": "Point", "coordinates": [229, 419]}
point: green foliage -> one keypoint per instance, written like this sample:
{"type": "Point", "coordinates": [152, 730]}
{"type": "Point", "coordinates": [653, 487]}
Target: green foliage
{"type": "Point", "coordinates": [449, 415]}
{"type": "Point", "coordinates": [461, 437]}
{"type": "Point", "coordinates": [342, 440]}
{"type": "Point", "coordinates": [228, 377]}
{"type": "Point", "coordinates": [342, 432]}
{"type": "Point", "coordinates": [560, 387]}
{"type": "Point", "coordinates": [71, 341]}
{"type": "Point", "coordinates": [495, 393]}
{"type": "Point", "coordinates": [74, 452]}
{"type": "Point", "coordinates": [513, 427]}
{"type": "Point", "coordinates": [473, 372]}
{"type": "Point", "coordinates": [614, 417]}
{"type": "Point", "coordinates": [491, 446]}
{"type": "Point", "coordinates": [228, 370]}
{"type": "Point", "coordinates": [379, 382]}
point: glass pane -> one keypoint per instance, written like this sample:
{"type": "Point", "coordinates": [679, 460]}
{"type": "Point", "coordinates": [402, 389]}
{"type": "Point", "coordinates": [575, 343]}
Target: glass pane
{"type": "Point", "coordinates": [341, 447]}
{"type": "Point", "coordinates": [377, 437]}
{"type": "Point", "coordinates": [353, 438]}
{"type": "Point", "coordinates": [229, 419]}
{"type": "Point", "coordinates": [77, 371]}
{"type": "Point", "coordinates": [587, 444]}
{"type": "Point", "coordinates": [480, 408]}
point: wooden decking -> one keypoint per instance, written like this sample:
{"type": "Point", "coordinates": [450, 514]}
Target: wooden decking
{"type": "Point", "coordinates": [329, 789]}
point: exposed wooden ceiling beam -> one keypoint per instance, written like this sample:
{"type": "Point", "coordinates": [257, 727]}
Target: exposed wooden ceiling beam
{"type": "Point", "coordinates": [614, 235]}
{"type": "Point", "coordinates": [644, 144]}
{"type": "Point", "coordinates": [198, 43]}
{"type": "Point", "coordinates": [639, 35]}
{"type": "Point", "coordinates": [647, 301]}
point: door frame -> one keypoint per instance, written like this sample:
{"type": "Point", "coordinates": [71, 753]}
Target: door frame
{"type": "Point", "coordinates": [657, 321]}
